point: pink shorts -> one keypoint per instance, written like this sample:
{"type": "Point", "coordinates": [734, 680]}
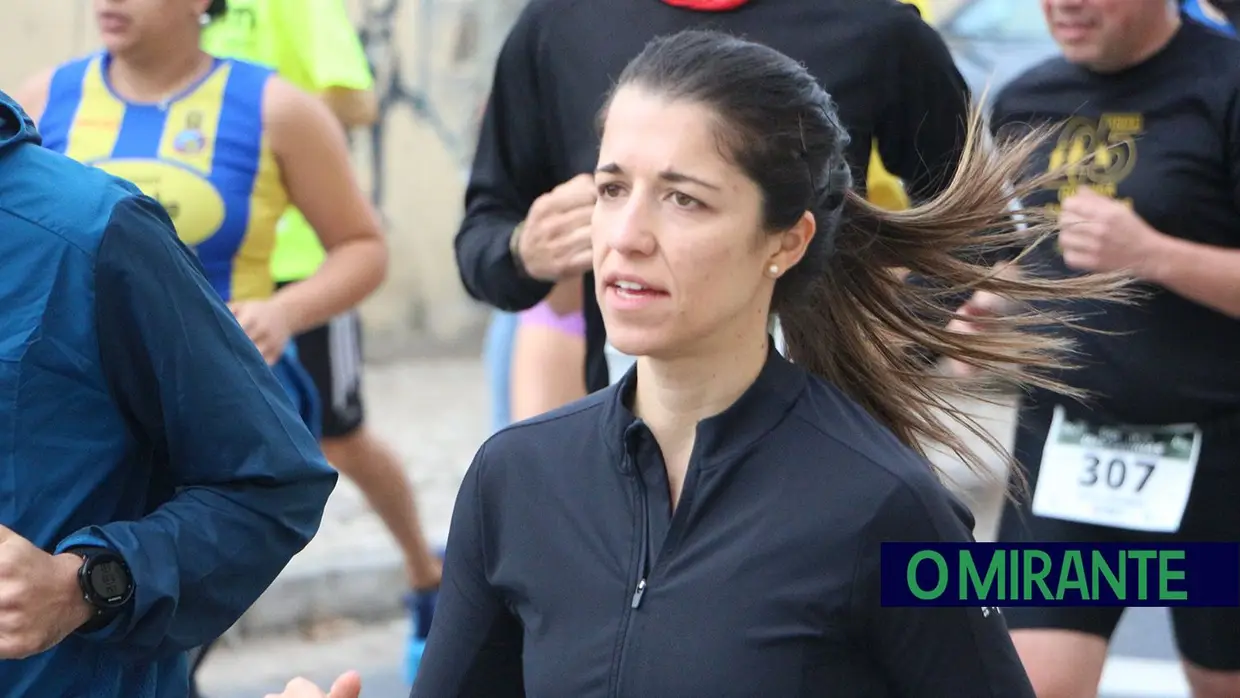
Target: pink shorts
{"type": "Point", "coordinates": [542, 314]}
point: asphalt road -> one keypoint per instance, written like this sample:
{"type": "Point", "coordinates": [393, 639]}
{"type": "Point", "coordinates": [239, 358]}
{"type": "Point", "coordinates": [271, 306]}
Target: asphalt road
{"type": "Point", "coordinates": [1142, 664]}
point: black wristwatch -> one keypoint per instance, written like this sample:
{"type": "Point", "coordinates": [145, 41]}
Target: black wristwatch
{"type": "Point", "coordinates": [106, 584]}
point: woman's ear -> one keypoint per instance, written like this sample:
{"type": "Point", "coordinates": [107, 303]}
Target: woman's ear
{"type": "Point", "coordinates": [789, 246]}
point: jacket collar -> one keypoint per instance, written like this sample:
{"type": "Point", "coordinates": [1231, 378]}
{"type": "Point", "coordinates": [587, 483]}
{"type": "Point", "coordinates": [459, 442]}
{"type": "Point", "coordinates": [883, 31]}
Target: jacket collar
{"type": "Point", "coordinates": [719, 438]}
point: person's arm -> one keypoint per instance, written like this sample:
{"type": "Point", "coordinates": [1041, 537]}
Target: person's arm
{"type": "Point", "coordinates": [511, 169]}
{"type": "Point", "coordinates": [321, 38]}
{"type": "Point", "coordinates": [474, 649]}
{"type": "Point", "coordinates": [921, 129]}
{"type": "Point", "coordinates": [250, 480]}
{"type": "Point", "coordinates": [1206, 274]}
{"type": "Point", "coordinates": [353, 108]}
{"type": "Point", "coordinates": [313, 156]}
{"type": "Point", "coordinates": [932, 652]}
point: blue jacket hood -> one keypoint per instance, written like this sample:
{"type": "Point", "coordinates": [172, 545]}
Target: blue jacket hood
{"type": "Point", "coordinates": [16, 127]}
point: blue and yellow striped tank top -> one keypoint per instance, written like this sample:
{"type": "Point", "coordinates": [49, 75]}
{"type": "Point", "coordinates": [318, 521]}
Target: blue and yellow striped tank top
{"type": "Point", "coordinates": [203, 155]}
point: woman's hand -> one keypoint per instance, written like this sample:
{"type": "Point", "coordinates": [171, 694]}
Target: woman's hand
{"type": "Point", "coordinates": [265, 324]}
{"type": "Point", "coordinates": [982, 304]}
{"type": "Point", "coordinates": [348, 685]}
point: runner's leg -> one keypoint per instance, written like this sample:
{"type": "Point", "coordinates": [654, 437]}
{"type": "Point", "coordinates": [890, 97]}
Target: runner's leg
{"type": "Point", "coordinates": [378, 473]}
{"type": "Point", "coordinates": [1208, 683]}
{"type": "Point", "coordinates": [1063, 649]}
{"type": "Point", "coordinates": [1209, 638]}
{"type": "Point", "coordinates": [1061, 663]}
{"type": "Point", "coordinates": [332, 355]}
{"type": "Point", "coordinates": [1209, 644]}
{"type": "Point", "coordinates": [547, 341]}
{"type": "Point", "coordinates": [497, 357]}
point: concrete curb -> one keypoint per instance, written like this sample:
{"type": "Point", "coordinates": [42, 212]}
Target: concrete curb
{"type": "Point", "coordinates": [364, 586]}
{"type": "Point", "coordinates": [367, 587]}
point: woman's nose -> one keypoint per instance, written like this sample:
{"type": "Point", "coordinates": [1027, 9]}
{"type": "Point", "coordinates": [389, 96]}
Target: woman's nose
{"type": "Point", "coordinates": [632, 231]}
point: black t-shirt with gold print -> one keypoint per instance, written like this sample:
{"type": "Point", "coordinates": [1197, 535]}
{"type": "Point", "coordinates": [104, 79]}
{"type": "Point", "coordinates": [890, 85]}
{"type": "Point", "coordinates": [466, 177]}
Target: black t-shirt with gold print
{"type": "Point", "coordinates": [1165, 138]}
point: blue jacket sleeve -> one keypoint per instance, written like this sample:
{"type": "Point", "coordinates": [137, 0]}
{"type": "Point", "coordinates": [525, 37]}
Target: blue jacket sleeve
{"type": "Point", "coordinates": [249, 481]}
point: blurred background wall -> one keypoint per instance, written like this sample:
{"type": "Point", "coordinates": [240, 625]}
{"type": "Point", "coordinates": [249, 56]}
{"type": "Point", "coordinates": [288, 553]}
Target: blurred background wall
{"type": "Point", "coordinates": [432, 61]}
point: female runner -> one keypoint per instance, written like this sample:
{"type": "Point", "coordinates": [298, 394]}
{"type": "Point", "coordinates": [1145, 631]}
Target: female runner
{"type": "Point", "coordinates": [225, 146]}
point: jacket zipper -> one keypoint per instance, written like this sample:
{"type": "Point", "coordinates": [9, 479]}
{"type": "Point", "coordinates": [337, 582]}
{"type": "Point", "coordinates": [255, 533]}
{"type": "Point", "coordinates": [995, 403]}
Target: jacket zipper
{"type": "Point", "coordinates": [643, 561]}
{"type": "Point", "coordinates": [643, 571]}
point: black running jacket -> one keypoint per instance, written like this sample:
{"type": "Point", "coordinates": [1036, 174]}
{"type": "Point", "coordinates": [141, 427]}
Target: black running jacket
{"type": "Point", "coordinates": [569, 576]}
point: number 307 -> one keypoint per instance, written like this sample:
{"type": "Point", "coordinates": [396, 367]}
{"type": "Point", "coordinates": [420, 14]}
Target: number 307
{"type": "Point", "coordinates": [1115, 473]}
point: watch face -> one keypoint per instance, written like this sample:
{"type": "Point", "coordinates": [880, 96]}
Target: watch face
{"type": "Point", "coordinates": [109, 581]}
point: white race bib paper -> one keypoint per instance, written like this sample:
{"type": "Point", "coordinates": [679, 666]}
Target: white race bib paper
{"type": "Point", "coordinates": [1133, 478]}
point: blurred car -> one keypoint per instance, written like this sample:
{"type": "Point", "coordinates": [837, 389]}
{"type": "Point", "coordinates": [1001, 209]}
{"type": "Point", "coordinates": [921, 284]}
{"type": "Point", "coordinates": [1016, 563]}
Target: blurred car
{"type": "Point", "coordinates": [994, 41]}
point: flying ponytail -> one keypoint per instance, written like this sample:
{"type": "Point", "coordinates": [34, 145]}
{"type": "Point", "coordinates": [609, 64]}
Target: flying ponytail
{"type": "Point", "coordinates": [845, 313]}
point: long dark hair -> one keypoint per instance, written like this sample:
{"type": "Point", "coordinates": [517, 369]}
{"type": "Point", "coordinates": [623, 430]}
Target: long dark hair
{"type": "Point", "coordinates": [846, 315]}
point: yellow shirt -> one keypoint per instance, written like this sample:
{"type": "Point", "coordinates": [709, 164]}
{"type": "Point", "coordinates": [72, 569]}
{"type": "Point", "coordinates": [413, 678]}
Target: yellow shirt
{"type": "Point", "coordinates": [313, 45]}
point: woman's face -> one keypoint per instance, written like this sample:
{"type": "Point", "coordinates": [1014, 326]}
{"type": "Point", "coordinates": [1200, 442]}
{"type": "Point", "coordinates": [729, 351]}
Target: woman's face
{"type": "Point", "coordinates": [682, 262]}
{"type": "Point", "coordinates": [124, 24]}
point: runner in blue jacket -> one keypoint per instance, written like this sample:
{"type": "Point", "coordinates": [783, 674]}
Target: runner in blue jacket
{"type": "Point", "coordinates": [154, 475]}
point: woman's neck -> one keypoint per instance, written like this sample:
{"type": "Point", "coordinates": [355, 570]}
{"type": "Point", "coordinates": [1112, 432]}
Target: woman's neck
{"type": "Point", "coordinates": [156, 76]}
{"type": "Point", "coordinates": [673, 395]}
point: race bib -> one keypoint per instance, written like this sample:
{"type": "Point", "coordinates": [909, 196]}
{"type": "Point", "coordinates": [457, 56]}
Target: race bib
{"type": "Point", "coordinates": [1134, 478]}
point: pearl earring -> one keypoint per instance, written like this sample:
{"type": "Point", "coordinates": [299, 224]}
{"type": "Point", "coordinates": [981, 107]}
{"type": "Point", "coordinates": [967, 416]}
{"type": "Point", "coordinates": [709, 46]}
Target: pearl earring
{"type": "Point", "coordinates": [204, 19]}
{"type": "Point", "coordinates": [774, 270]}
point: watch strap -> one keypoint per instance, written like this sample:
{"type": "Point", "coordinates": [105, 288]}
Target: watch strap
{"type": "Point", "coordinates": [514, 250]}
{"type": "Point", "coordinates": [100, 620]}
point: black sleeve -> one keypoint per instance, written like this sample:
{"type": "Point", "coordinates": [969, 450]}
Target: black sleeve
{"type": "Point", "coordinates": [1000, 127]}
{"type": "Point", "coordinates": [933, 652]}
{"type": "Point", "coordinates": [1232, 132]}
{"type": "Point", "coordinates": [921, 130]}
{"type": "Point", "coordinates": [510, 171]}
{"type": "Point", "coordinates": [474, 649]}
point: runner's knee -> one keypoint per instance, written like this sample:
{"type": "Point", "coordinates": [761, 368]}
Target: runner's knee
{"type": "Point", "coordinates": [345, 450]}
{"type": "Point", "coordinates": [1061, 663]}
{"type": "Point", "coordinates": [1209, 643]}
{"type": "Point", "coordinates": [1207, 683]}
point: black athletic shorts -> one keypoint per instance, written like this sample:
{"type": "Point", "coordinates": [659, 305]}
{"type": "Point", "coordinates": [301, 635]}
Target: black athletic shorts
{"type": "Point", "coordinates": [332, 355]}
{"type": "Point", "coordinates": [1207, 637]}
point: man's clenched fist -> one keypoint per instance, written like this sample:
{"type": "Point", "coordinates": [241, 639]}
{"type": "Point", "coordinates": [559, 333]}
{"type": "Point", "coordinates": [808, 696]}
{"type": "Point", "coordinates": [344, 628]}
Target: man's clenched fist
{"type": "Point", "coordinates": [41, 602]}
